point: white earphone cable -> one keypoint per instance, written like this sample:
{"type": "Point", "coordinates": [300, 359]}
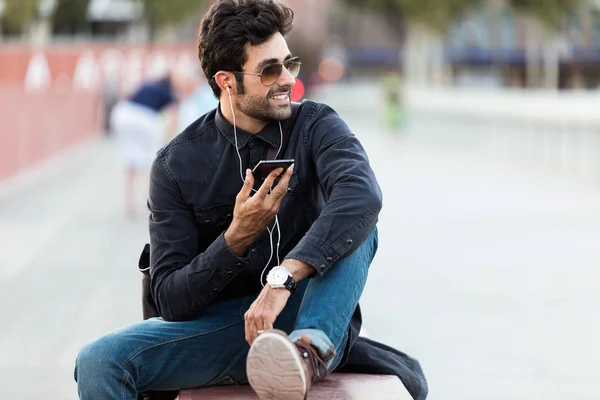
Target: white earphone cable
{"type": "Point", "coordinates": [235, 135]}
{"type": "Point", "coordinates": [276, 224]}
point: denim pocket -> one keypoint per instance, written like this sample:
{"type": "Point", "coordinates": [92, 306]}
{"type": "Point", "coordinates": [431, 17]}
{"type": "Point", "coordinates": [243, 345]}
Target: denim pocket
{"type": "Point", "coordinates": [245, 304]}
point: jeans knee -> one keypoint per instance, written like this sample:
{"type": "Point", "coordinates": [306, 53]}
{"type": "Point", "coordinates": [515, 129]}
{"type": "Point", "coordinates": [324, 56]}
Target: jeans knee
{"type": "Point", "coordinates": [95, 360]}
{"type": "Point", "coordinates": [99, 371]}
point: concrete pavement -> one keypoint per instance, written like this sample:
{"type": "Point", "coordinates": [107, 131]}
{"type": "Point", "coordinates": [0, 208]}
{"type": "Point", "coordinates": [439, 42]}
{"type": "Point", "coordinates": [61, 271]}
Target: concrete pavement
{"type": "Point", "coordinates": [486, 273]}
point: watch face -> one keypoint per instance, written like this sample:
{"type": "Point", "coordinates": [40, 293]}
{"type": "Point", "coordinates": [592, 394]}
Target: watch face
{"type": "Point", "coordinates": [278, 276]}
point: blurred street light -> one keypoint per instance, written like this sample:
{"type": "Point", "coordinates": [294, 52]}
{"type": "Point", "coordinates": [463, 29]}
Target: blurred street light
{"type": "Point", "coordinates": [2, 10]}
{"type": "Point", "coordinates": [41, 28]}
{"type": "Point", "coordinates": [46, 8]}
{"type": "Point", "coordinates": [111, 10]}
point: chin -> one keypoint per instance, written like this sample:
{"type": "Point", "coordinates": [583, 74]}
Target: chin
{"type": "Point", "coordinates": [282, 112]}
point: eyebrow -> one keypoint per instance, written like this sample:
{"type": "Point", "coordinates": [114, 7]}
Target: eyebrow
{"type": "Point", "coordinates": [268, 61]}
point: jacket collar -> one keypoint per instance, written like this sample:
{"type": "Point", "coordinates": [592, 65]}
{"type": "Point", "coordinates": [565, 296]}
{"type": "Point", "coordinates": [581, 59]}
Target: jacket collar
{"type": "Point", "coordinates": [269, 134]}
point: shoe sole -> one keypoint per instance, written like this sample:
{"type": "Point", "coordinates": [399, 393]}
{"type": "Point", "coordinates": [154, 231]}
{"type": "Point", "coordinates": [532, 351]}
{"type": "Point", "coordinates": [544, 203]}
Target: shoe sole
{"type": "Point", "coordinates": [275, 369]}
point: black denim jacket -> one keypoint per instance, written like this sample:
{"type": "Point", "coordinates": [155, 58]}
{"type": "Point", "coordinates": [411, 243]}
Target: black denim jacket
{"type": "Point", "coordinates": [332, 204]}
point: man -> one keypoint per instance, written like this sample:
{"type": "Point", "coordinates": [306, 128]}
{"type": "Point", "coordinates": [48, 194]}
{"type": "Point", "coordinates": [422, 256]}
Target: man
{"type": "Point", "coordinates": [216, 231]}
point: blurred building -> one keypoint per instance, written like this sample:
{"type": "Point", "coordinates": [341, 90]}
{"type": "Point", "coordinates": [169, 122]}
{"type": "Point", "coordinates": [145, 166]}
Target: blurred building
{"type": "Point", "coordinates": [490, 46]}
{"type": "Point", "coordinates": [486, 47]}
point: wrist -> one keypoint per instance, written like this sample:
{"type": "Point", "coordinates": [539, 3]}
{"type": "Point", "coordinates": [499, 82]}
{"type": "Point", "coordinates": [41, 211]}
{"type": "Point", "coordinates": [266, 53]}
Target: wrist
{"type": "Point", "coordinates": [236, 242]}
{"type": "Point", "coordinates": [280, 278]}
{"type": "Point", "coordinates": [283, 292]}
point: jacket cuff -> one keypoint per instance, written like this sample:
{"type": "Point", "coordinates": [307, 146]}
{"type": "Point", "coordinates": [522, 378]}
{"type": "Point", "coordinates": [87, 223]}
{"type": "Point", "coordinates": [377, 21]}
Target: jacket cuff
{"type": "Point", "coordinates": [314, 253]}
{"type": "Point", "coordinates": [221, 256]}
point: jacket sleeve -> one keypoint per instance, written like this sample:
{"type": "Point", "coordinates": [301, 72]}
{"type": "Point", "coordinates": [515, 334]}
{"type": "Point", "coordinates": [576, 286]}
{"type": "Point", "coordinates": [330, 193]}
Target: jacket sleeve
{"type": "Point", "coordinates": [352, 195]}
{"type": "Point", "coordinates": [184, 280]}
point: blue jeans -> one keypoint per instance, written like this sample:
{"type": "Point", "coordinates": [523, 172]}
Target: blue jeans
{"type": "Point", "coordinates": [211, 349]}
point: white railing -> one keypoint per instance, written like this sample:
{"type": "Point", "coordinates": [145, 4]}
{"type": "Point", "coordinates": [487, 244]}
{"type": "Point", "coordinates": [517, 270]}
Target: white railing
{"type": "Point", "coordinates": [556, 132]}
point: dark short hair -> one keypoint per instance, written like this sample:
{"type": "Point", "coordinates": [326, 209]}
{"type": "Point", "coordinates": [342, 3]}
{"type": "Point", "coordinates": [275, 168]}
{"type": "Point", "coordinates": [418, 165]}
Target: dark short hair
{"type": "Point", "coordinates": [229, 25]}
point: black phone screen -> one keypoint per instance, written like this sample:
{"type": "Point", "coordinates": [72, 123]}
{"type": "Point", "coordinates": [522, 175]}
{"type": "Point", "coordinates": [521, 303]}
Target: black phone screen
{"type": "Point", "coordinates": [264, 167]}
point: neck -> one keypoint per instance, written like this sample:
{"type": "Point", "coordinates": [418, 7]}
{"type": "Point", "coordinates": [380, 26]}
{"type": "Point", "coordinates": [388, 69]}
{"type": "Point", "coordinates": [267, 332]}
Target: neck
{"type": "Point", "coordinates": [242, 121]}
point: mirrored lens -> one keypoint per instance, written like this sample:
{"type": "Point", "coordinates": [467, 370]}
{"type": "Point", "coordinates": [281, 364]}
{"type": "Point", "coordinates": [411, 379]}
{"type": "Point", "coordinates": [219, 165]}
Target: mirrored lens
{"type": "Point", "coordinates": [293, 67]}
{"type": "Point", "coordinates": [271, 73]}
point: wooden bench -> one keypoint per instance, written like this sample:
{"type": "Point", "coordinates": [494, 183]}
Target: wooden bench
{"type": "Point", "coordinates": [337, 386]}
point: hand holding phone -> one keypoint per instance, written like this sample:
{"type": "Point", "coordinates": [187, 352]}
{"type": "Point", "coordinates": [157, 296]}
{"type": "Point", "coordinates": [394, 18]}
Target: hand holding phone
{"type": "Point", "coordinates": [253, 213]}
{"type": "Point", "coordinates": [264, 167]}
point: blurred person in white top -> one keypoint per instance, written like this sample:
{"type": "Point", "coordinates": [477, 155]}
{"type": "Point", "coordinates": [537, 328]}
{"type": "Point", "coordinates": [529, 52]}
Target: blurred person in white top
{"type": "Point", "coordinates": [137, 123]}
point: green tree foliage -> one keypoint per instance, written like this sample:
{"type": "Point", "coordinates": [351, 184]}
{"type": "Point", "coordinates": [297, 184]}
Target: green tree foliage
{"type": "Point", "coordinates": [168, 12]}
{"type": "Point", "coordinates": [549, 12]}
{"type": "Point", "coordinates": [17, 15]}
{"type": "Point", "coordinates": [70, 15]}
{"type": "Point", "coordinates": [435, 14]}
{"type": "Point", "coordinates": [438, 14]}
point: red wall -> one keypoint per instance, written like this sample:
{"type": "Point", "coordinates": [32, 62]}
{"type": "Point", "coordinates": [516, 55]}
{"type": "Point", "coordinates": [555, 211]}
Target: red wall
{"type": "Point", "coordinates": [37, 125]}
{"type": "Point", "coordinates": [51, 98]}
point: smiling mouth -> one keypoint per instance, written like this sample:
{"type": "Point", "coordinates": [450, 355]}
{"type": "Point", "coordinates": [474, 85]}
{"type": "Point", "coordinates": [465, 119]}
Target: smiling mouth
{"type": "Point", "coordinates": [281, 96]}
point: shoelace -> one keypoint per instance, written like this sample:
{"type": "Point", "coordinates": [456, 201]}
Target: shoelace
{"type": "Point", "coordinates": [318, 366]}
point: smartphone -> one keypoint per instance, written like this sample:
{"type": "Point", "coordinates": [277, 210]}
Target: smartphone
{"type": "Point", "coordinates": [264, 167]}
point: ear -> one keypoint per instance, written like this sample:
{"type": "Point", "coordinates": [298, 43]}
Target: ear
{"type": "Point", "coordinates": [225, 80]}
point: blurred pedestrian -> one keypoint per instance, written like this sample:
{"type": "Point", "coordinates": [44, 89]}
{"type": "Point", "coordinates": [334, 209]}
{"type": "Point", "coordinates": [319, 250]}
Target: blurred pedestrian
{"type": "Point", "coordinates": [392, 87]}
{"type": "Point", "coordinates": [137, 124]}
{"type": "Point", "coordinates": [201, 101]}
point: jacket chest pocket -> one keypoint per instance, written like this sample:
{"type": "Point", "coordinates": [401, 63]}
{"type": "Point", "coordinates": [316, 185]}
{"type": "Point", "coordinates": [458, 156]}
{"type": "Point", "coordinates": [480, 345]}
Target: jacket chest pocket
{"type": "Point", "coordinates": [213, 220]}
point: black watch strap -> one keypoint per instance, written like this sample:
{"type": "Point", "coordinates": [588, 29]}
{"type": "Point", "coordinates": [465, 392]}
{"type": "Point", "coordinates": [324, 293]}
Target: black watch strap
{"type": "Point", "coordinates": [290, 284]}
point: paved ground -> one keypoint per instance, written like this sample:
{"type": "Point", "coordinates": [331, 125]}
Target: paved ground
{"type": "Point", "coordinates": [488, 274]}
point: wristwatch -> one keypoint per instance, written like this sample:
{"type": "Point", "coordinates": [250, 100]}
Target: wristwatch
{"type": "Point", "coordinates": [280, 278]}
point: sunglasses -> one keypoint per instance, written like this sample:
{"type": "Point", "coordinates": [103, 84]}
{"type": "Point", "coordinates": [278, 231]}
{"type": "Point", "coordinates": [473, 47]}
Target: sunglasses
{"type": "Point", "coordinates": [271, 73]}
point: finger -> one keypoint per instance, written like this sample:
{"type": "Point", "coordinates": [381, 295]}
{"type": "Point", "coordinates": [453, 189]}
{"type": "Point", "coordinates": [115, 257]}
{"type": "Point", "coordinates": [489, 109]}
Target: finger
{"type": "Point", "coordinates": [248, 328]}
{"type": "Point", "coordinates": [246, 190]}
{"type": "Point", "coordinates": [254, 329]}
{"type": "Point", "coordinates": [268, 183]}
{"type": "Point", "coordinates": [262, 325]}
{"type": "Point", "coordinates": [282, 186]}
{"type": "Point", "coordinates": [267, 326]}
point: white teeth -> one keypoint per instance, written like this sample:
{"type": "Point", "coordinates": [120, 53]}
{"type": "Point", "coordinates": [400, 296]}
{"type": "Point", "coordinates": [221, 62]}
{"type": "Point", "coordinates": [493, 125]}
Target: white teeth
{"type": "Point", "coordinates": [280, 96]}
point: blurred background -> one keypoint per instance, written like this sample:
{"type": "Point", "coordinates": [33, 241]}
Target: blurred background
{"type": "Point", "coordinates": [480, 118]}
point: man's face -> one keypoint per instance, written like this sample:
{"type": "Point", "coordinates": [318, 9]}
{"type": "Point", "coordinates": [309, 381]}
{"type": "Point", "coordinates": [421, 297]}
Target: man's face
{"type": "Point", "coordinates": [266, 103]}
